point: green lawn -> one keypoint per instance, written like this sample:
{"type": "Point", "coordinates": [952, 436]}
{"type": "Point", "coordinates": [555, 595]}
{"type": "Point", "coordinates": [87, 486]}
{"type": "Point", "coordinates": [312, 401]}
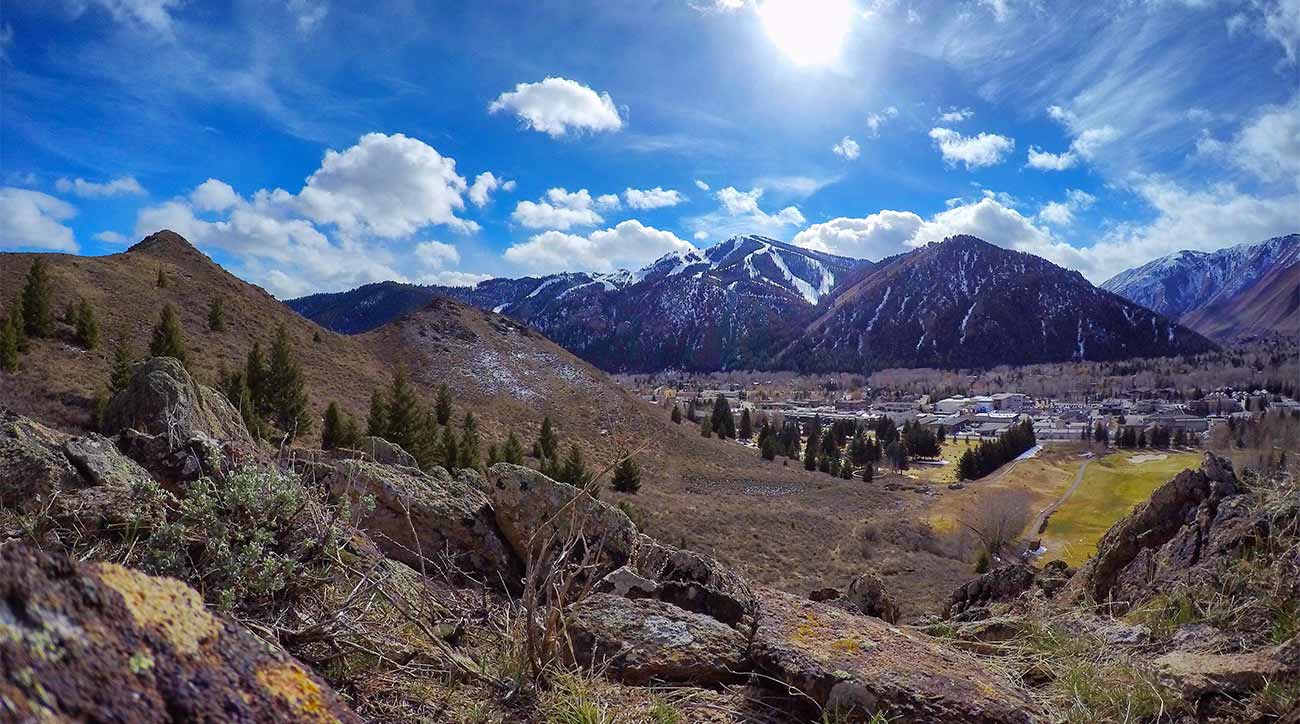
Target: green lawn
{"type": "Point", "coordinates": [1111, 487]}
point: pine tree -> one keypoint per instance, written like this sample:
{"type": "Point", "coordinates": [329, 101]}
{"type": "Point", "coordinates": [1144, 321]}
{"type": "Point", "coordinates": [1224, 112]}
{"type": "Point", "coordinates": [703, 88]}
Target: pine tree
{"type": "Point", "coordinates": [469, 443]}
{"type": "Point", "coordinates": [442, 406]}
{"type": "Point", "coordinates": [448, 450]}
{"type": "Point", "coordinates": [87, 325]}
{"type": "Point", "coordinates": [248, 413]}
{"type": "Point", "coordinates": [868, 472]}
{"type": "Point", "coordinates": [216, 315]}
{"type": "Point", "coordinates": [746, 431]}
{"type": "Point", "coordinates": [810, 453]}
{"type": "Point", "coordinates": [332, 429]}
{"type": "Point", "coordinates": [97, 409]}
{"type": "Point", "coordinates": [168, 339]}
{"type": "Point", "coordinates": [426, 441]}
{"type": "Point", "coordinates": [706, 427]}
{"type": "Point", "coordinates": [38, 318]}
{"type": "Point", "coordinates": [846, 470]}
{"type": "Point", "coordinates": [768, 447]}
{"type": "Point", "coordinates": [548, 444]}
{"type": "Point", "coordinates": [677, 414]}
{"type": "Point", "coordinates": [377, 419]}
{"type": "Point", "coordinates": [286, 387]}
{"type": "Point", "coordinates": [9, 344]}
{"type": "Point", "coordinates": [574, 470]}
{"type": "Point", "coordinates": [70, 315]}
{"type": "Point", "coordinates": [120, 376]}
{"type": "Point", "coordinates": [404, 416]}
{"type": "Point", "coordinates": [722, 421]}
{"type": "Point", "coordinates": [351, 436]}
{"type": "Point", "coordinates": [255, 379]}
{"type": "Point", "coordinates": [512, 452]}
{"type": "Point", "coordinates": [627, 476]}
{"type": "Point", "coordinates": [162, 279]}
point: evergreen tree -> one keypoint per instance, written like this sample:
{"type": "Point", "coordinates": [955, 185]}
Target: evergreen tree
{"type": "Point", "coordinates": [87, 325]}
{"type": "Point", "coordinates": [287, 390]}
{"type": "Point", "coordinates": [403, 420]}
{"type": "Point", "coordinates": [442, 406]}
{"type": "Point", "coordinates": [898, 454]}
{"type": "Point", "coordinates": [627, 476]}
{"type": "Point", "coordinates": [846, 470]}
{"type": "Point", "coordinates": [9, 344]}
{"type": "Point", "coordinates": [120, 375]}
{"type": "Point", "coordinates": [97, 409]}
{"type": "Point", "coordinates": [377, 419]}
{"type": "Point", "coordinates": [351, 436]}
{"type": "Point", "coordinates": [677, 415]}
{"type": "Point", "coordinates": [512, 452]}
{"type": "Point", "coordinates": [216, 315]}
{"type": "Point", "coordinates": [574, 470]}
{"type": "Point", "coordinates": [255, 379]}
{"type": "Point", "coordinates": [448, 450]}
{"type": "Point", "coordinates": [162, 278]}
{"type": "Point", "coordinates": [17, 318]}
{"type": "Point", "coordinates": [469, 443]}
{"type": "Point", "coordinates": [332, 429]}
{"type": "Point", "coordinates": [38, 317]}
{"type": "Point", "coordinates": [690, 412]}
{"type": "Point", "coordinates": [426, 441]}
{"type": "Point", "coordinates": [868, 472]}
{"type": "Point", "coordinates": [746, 430]}
{"type": "Point", "coordinates": [706, 427]}
{"type": "Point", "coordinates": [548, 444]}
{"type": "Point", "coordinates": [810, 453]}
{"type": "Point", "coordinates": [768, 447]}
{"type": "Point", "coordinates": [168, 340]}
{"type": "Point", "coordinates": [70, 315]}
{"type": "Point", "coordinates": [721, 419]}
{"type": "Point", "coordinates": [248, 412]}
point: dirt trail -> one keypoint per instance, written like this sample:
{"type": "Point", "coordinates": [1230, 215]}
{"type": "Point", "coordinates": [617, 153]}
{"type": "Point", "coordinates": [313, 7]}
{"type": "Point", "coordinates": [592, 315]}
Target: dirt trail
{"type": "Point", "coordinates": [1036, 527]}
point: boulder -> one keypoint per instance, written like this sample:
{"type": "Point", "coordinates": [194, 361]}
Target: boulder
{"type": "Point", "coordinates": [1163, 537]}
{"type": "Point", "coordinates": [98, 642]}
{"type": "Point", "coordinates": [1197, 675]}
{"type": "Point", "coordinates": [162, 399]}
{"type": "Point", "coordinates": [857, 666]}
{"type": "Point", "coordinates": [420, 517]}
{"type": "Point", "coordinates": [999, 585]}
{"type": "Point", "coordinates": [867, 593]}
{"type": "Point", "coordinates": [694, 581]}
{"type": "Point", "coordinates": [385, 452]}
{"type": "Point", "coordinates": [33, 466]}
{"type": "Point", "coordinates": [644, 640]}
{"type": "Point", "coordinates": [987, 637]}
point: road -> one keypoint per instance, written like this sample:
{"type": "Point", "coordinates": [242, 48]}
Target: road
{"type": "Point", "coordinates": [1037, 526]}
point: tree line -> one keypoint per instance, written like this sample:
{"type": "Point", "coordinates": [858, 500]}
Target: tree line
{"type": "Point", "coordinates": [990, 455]}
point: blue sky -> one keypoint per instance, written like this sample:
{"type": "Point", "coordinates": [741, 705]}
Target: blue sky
{"type": "Point", "coordinates": [314, 145]}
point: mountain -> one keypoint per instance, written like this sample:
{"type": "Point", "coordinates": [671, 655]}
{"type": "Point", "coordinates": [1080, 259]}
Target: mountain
{"type": "Point", "coordinates": [964, 302]}
{"type": "Point", "coordinates": [725, 307]}
{"type": "Point", "coordinates": [1244, 290]}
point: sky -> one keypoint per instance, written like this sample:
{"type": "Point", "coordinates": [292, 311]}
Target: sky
{"type": "Point", "coordinates": [316, 145]}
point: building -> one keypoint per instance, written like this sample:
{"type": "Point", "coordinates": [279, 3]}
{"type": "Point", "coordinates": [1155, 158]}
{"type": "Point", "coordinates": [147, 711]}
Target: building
{"type": "Point", "coordinates": [951, 405]}
{"type": "Point", "coordinates": [1010, 401]}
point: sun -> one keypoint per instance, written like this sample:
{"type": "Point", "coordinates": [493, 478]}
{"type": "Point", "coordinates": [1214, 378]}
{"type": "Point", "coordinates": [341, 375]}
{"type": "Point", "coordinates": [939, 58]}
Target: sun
{"type": "Point", "coordinates": [810, 32]}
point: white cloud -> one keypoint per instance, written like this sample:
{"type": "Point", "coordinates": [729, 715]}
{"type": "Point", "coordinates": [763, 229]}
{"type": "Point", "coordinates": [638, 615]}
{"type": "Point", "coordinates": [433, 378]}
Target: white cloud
{"type": "Point", "coordinates": [436, 254]}
{"type": "Point", "coordinates": [987, 219]}
{"type": "Point", "coordinates": [874, 237]}
{"type": "Point", "coordinates": [956, 115]}
{"type": "Point", "coordinates": [607, 202]}
{"type": "Point", "coordinates": [112, 237]}
{"type": "Point", "coordinates": [1090, 140]}
{"type": "Point", "coordinates": [31, 219]}
{"type": "Point", "coordinates": [1269, 145]}
{"type": "Point", "coordinates": [1044, 161]}
{"type": "Point", "coordinates": [701, 185]}
{"type": "Point", "coordinates": [433, 258]}
{"type": "Point", "coordinates": [739, 213]}
{"type": "Point", "coordinates": [125, 186]}
{"type": "Point", "coordinates": [386, 186]}
{"type": "Point", "coordinates": [214, 195]}
{"type": "Point", "coordinates": [556, 106]}
{"type": "Point", "coordinates": [720, 6]}
{"type": "Point", "coordinates": [701, 235]}
{"type": "Point", "coordinates": [847, 149]}
{"type": "Point", "coordinates": [739, 202]}
{"type": "Point", "coordinates": [1282, 22]}
{"type": "Point", "coordinates": [876, 120]}
{"type": "Point", "coordinates": [1061, 213]}
{"type": "Point", "coordinates": [986, 149]}
{"type": "Point", "coordinates": [153, 15]}
{"type": "Point", "coordinates": [483, 186]}
{"type": "Point", "coordinates": [562, 209]}
{"type": "Point", "coordinates": [628, 245]}
{"type": "Point", "coordinates": [654, 198]}
{"type": "Point", "coordinates": [308, 14]}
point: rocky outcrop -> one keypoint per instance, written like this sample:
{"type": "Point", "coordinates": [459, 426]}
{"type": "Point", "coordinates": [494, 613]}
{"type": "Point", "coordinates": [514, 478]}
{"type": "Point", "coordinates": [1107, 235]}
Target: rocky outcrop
{"type": "Point", "coordinates": [32, 464]}
{"type": "Point", "coordinates": [999, 585]}
{"type": "Point", "coordinates": [1186, 519]}
{"type": "Point", "coordinates": [98, 642]}
{"type": "Point", "coordinates": [418, 518]}
{"type": "Point", "coordinates": [867, 593]}
{"type": "Point", "coordinates": [385, 452]}
{"type": "Point", "coordinates": [694, 581]}
{"type": "Point", "coordinates": [857, 666]}
{"type": "Point", "coordinates": [176, 428]}
{"type": "Point", "coordinates": [643, 640]}
{"type": "Point", "coordinates": [1198, 675]}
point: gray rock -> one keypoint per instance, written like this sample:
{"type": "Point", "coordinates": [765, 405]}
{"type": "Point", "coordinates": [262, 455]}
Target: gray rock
{"type": "Point", "coordinates": [385, 452]}
{"type": "Point", "coordinates": [867, 593]}
{"type": "Point", "coordinates": [1000, 585]}
{"type": "Point", "coordinates": [162, 399]}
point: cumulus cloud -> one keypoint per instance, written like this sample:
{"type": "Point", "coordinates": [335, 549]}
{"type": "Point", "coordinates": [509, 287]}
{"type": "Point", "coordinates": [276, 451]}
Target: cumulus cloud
{"type": "Point", "coordinates": [386, 186]}
{"type": "Point", "coordinates": [111, 237]}
{"type": "Point", "coordinates": [562, 209]}
{"type": "Point", "coordinates": [654, 198]}
{"type": "Point", "coordinates": [628, 245]}
{"type": "Point", "coordinates": [739, 213]}
{"type": "Point", "coordinates": [483, 186]}
{"type": "Point", "coordinates": [1282, 22]}
{"type": "Point", "coordinates": [31, 219]}
{"type": "Point", "coordinates": [847, 148]}
{"type": "Point", "coordinates": [986, 149]}
{"type": "Point", "coordinates": [433, 258]}
{"type": "Point", "coordinates": [1061, 213]}
{"type": "Point", "coordinates": [874, 237]}
{"type": "Point", "coordinates": [1044, 161]}
{"type": "Point", "coordinates": [1085, 144]}
{"type": "Point", "coordinates": [989, 219]}
{"type": "Point", "coordinates": [701, 185]}
{"type": "Point", "coordinates": [956, 115]}
{"type": "Point", "coordinates": [1268, 145]}
{"type": "Point", "coordinates": [124, 186]}
{"type": "Point", "coordinates": [876, 120]}
{"type": "Point", "coordinates": [556, 106]}
{"type": "Point", "coordinates": [214, 195]}
{"type": "Point", "coordinates": [155, 15]}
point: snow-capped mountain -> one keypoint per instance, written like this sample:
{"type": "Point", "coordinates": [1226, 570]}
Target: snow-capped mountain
{"type": "Point", "coordinates": [1239, 290]}
{"type": "Point", "coordinates": [964, 302]}
{"type": "Point", "coordinates": [696, 309]}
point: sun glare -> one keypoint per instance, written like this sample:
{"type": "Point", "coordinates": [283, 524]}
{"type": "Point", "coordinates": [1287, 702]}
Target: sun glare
{"type": "Point", "coordinates": [810, 32]}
